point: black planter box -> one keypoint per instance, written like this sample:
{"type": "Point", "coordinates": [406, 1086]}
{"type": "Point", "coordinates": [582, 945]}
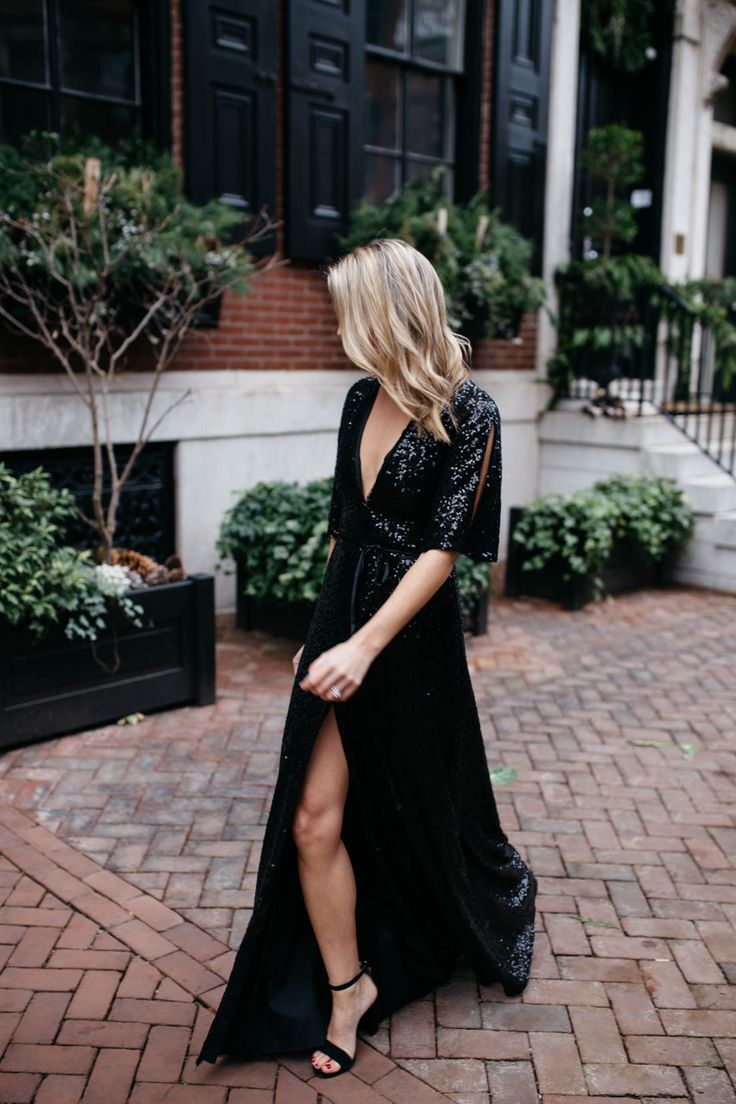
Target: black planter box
{"type": "Point", "coordinates": [292, 619]}
{"type": "Point", "coordinates": [57, 686]}
{"type": "Point", "coordinates": [624, 570]}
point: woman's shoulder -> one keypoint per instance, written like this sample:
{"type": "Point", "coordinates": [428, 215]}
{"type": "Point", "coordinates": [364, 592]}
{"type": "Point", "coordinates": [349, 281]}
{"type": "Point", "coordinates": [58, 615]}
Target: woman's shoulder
{"type": "Point", "coordinates": [472, 403]}
{"type": "Point", "coordinates": [358, 388]}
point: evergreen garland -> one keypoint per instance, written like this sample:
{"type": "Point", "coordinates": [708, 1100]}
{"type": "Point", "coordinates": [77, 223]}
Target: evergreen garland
{"type": "Point", "coordinates": [620, 31]}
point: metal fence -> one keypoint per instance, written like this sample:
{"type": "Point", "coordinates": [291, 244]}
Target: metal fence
{"type": "Point", "coordinates": [663, 358]}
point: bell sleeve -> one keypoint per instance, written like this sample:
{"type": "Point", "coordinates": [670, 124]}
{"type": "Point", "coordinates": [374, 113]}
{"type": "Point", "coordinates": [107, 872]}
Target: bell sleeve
{"type": "Point", "coordinates": [457, 522]}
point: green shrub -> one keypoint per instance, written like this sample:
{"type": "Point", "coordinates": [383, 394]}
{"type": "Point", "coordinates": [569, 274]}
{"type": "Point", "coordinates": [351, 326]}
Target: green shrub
{"type": "Point", "coordinates": [139, 229]}
{"type": "Point", "coordinates": [600, 323]}
{"type": "Point", "coordinates": [713, 302]}
{"type": "Point", "coordinates": [45, 584]}
{"type": "Point", "coordinates": [483, 262]}
{"type": "Point", "coordinates": [579, 529]}
{"type": "Point", "coordinates": [278, 530]}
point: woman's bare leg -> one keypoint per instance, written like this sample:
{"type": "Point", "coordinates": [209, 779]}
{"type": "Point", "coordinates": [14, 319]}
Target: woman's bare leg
{"type": "Point", "coordinates": [328, 885]}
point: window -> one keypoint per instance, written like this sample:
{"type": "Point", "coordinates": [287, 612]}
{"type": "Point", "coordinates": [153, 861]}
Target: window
{"type": "Point", "coordinates": [414, 57]}
{"type": "Point", "coordinates": [724, 108]}
{"type": "Point", "coordinates": [78, 66]}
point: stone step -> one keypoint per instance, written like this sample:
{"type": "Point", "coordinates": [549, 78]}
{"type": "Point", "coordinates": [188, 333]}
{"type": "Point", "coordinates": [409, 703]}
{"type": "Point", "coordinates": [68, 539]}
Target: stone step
{"type": "Point", "coordinates": [678, 460]}
{"type": "Point", "coordinates": [724, 530]}
{"type": "Point", "coordinates": [570, 426]}
{"type": "Point", "coordinates": [710, 494]}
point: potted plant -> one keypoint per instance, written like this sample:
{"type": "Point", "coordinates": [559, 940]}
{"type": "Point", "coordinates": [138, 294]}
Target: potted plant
{"type": "Point", "coordinates": [104, 263]}
{"type": "Point", "coordinates": [482, 261]}
{"type": "Point", "coordinates": [276, 536]}
{"type": "Point", "coordinates": [618, 534]}
{"type": "Point", "coordinates": [84, 642]}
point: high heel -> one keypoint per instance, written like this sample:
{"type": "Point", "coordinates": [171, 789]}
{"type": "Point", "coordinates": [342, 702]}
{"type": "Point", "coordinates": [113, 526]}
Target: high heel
{"type": "Point", "coordinates": [368, 1022]}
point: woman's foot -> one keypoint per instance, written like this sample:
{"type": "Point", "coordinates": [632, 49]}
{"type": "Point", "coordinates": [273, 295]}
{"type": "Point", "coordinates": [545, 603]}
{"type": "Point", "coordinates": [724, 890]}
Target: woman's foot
{"type": "Point", "coordinates": [348, 1005]}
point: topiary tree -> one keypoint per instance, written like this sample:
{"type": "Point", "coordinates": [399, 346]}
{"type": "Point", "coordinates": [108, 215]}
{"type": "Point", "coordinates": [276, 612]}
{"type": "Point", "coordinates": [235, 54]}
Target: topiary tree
{"type": "Point", "coordinates": [613, 155]}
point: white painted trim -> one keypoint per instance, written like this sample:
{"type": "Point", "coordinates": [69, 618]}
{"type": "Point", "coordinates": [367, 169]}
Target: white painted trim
{"type": "Point", "coordinates": [560, 169]}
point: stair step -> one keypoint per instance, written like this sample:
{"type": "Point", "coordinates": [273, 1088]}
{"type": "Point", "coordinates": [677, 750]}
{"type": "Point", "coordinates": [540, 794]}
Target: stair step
{"type": "Point", "coordinates": [724, 530]}
{"type": "Point", "coordinates": [679, 461]}
{"type": "Point", "coordinates": [710, 494]}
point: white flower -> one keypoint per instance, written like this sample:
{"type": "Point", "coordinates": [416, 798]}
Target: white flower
{"type": "Point", "coordinates": [112, 579]}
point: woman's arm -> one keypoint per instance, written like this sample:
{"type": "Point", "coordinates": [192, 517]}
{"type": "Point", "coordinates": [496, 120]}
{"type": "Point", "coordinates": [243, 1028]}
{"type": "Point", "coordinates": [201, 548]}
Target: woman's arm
{"type": "Point", "coordinates": [346, 664]}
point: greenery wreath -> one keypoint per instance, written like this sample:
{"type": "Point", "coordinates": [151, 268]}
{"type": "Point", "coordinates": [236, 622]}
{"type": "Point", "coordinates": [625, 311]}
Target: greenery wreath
{"type": "Point", "coordinates": [619, 31]}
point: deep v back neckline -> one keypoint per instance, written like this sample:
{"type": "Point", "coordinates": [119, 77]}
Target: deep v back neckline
{"type": "Point", "coordinates": [361, 430]}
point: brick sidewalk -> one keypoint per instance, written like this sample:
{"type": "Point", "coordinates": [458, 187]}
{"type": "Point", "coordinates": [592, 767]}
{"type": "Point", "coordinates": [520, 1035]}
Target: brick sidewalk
{"type": "Point", "coordinates": [130, 856]}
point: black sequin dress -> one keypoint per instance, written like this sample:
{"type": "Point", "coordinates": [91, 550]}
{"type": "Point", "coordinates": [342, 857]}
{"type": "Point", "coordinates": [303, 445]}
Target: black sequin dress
{"type": "Point", "coordinates": [436, 877]}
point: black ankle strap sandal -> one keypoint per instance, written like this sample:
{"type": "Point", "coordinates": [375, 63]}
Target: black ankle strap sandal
{"type": "Point", "coordinates": [369, 1020]}
{"type": "Point", "coordinates": [364, 969]}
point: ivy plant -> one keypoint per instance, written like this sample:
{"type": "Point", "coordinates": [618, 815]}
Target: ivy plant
{"type": "Point", "coordinates": [578, 530]}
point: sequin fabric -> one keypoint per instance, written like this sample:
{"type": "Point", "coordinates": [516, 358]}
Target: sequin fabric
{"type": "Point", "coordinates": [438, 880]}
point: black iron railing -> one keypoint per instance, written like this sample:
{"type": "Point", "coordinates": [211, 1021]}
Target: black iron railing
{"type": "Point", "coordinates": [664, 357]}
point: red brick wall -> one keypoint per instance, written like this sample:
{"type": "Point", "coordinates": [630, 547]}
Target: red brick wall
{"type": "Point", "coordinates": [286, 321]}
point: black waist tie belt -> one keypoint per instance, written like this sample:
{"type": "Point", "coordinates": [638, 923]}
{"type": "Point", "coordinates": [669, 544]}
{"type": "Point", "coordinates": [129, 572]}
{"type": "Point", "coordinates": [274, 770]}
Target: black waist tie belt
{"type": "Point", "coordinates": [385, 567]}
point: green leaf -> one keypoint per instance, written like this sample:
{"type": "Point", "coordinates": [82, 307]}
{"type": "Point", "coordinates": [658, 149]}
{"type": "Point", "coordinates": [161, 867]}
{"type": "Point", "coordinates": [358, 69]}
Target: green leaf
{"type": "Point", "coordinates": [502, 776]}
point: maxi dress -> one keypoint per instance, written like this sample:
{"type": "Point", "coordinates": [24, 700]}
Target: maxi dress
{"type": "Point", "coordinates": [437, 879]}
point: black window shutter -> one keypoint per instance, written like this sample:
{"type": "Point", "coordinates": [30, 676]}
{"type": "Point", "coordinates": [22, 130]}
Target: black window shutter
{"type": "Point", "coordinates": [155, 24]}
{"type": "Point", "coordinates": [521, 97]}
{"type": "Point", "coordinates": [230, 104]}
{"type": "Point", "coordinates": [324, 128]}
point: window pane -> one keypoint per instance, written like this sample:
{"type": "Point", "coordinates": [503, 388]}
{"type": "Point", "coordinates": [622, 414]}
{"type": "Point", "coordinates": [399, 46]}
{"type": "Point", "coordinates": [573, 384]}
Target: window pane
{"type": "Point", "coordinates": [422, 169]}
{"type": "Point", "coordinates": [382, 176]}
{"type": "Point", "coordinates": [23, 45]}
{"type": "Point", "coordinates": [439, 31]}
{"type": "Point", "coordinates": [386, 23]}
{"type": "Point", "coordinates": [724, 108]}
{"type": "Point", "coordinates": [110, 121]}
{"type": "Point", "coordinates": [383, 104]}
{"type": "Point", "coordinates": [428, 115]}
{"type": "Point", "coordinates": [98, 47]}
{"type": "Point", "coordinates": [21, 110]}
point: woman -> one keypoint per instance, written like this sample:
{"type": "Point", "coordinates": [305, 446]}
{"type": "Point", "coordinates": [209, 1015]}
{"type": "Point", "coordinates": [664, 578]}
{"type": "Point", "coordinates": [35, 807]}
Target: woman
{"type": "Point", "coordinates": [383, 859]}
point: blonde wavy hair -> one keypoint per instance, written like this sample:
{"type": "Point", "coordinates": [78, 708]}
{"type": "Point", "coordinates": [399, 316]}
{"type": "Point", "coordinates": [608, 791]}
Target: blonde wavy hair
{"type": "Point", "coordinates": [390, 307]}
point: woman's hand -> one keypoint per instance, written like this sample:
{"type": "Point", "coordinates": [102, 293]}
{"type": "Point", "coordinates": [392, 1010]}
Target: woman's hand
{"type": "Point", "coordinates": [295, 660]}
{"type": "Point", "coordinates": [343, 665]}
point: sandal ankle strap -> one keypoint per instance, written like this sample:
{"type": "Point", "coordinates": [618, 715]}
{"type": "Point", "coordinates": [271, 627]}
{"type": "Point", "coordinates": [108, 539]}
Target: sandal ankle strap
{"type": "Point", "coordinates": [364, 967]}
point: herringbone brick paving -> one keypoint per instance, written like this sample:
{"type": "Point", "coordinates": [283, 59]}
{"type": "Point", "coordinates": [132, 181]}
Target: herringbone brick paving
{"type": "Point", "coordinates": [129, 859]}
